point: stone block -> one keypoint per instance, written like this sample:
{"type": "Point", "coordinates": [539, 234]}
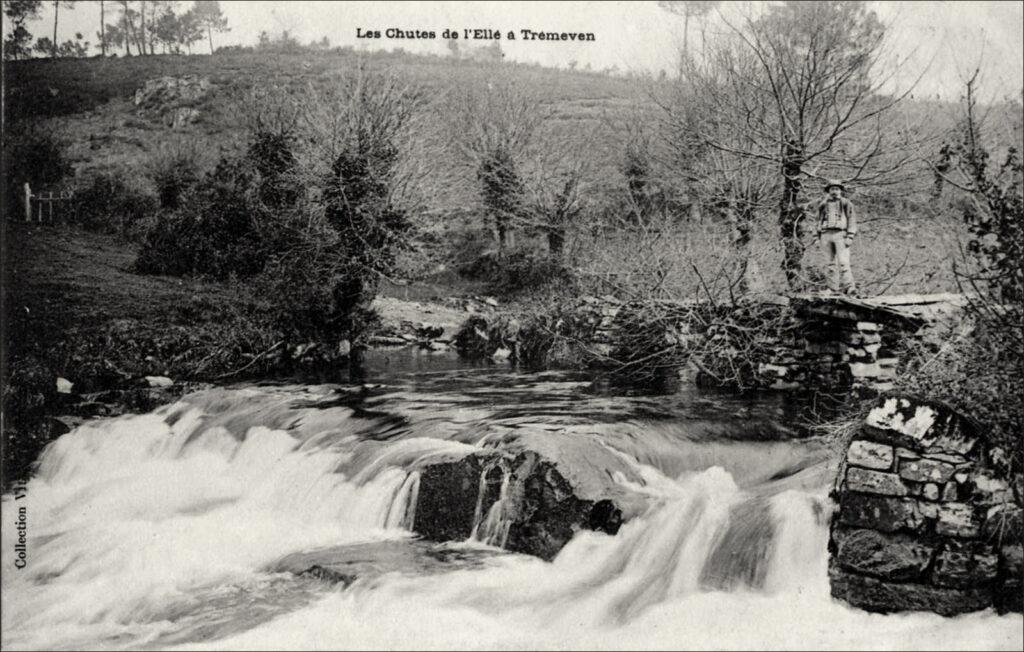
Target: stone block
{"type": "Point", "coordinates": [884, 513]}
{"type": "Point", "coordinates": [883, 387]}
{"type": "Point", "coordinates": [921, 427]}
{"type": "Point", "coordinates": [872, 594]}
{"type": "Point", "coordinates": [870, 455]}
{"type": "Point", "coordinates": [931, 491]}
{"type": "Point", "coordinates": [958, 520]}
{"type": "Point", "coordinates": [887, 556]}
{"type": "Point", "coordinates": [893, 415]}
{"type": "Point", "coordinates": [929, 510]}
{"type": "Point", "coordinates": [950, 458]}
{"type": "Point", "coordinates": [864, 369]}
{"type": "Point", "coordinates": [950, 493]}
{"type": "Point", "coordinates": [860, 339]}
{"type": "Point", "coordinates": [926, 470]}
{"type": "Point", "coordinates": [963, 564]}
{"type": "Point", "coordinates": [772, 369]}
{"type": "Point", "coordinates": [867, 327]}
{"type": "Point", "coordinates": [991, 491]}
{"type": "Point", "coordinates": [874, 482]}
{"type": "Point", "coordinates": [907, 454]}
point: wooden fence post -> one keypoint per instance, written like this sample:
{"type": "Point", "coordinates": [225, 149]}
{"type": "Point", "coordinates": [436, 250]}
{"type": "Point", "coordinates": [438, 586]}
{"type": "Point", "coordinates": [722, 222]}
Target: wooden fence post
{"type": "Point", "coordinates": [28, 202]}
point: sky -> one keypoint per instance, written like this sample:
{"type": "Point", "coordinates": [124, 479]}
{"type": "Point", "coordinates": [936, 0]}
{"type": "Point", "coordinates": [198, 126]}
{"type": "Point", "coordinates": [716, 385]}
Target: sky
{"type": "Point", "coordinates": [943, 40]}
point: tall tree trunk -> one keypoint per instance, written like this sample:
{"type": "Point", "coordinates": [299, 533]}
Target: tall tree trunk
{"type": "Point", "coordinates": [686, 33]}
{"type": "Point", "coordinates": [791, 214]}
{"type": "Point", "coordinates": [56, 12]}
{"type": "Point", "coordinates": [103, 29]}
{"type": "Point", "coordinates": [740, 215]}
{"type": "Point", "coordinates": [209, 33]}
{"type": "Point", "coordinates": [142, 22]}
{"type": "Point", "coordinates": [127, 34]}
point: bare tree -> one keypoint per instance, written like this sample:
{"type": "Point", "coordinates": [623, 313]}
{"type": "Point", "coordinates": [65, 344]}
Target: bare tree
{"type": "Point", "coordinates": [688, 9]}
{"type": "Point", "coordinates": [556, 188]}
{"type": "Point", "coordinates": [805, 88]}
{"type": "Point", "coordinates": [495, 125]}
{"type": "Point", "coordinates": [103, 28]}
{"type": "Point", "coordinates": [990, 269]}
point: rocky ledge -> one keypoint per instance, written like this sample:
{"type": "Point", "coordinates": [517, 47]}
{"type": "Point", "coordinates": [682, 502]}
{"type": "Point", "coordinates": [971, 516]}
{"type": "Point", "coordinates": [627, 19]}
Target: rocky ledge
{"type": "Point", "coordinates": [530, 496]}
{"type": "Point", "coordinates": [928, 518]}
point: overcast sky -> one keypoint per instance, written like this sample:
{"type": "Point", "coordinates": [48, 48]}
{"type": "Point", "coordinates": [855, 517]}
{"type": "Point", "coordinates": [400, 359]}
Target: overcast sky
{"type": "Point", "coordinates": [947, 37]}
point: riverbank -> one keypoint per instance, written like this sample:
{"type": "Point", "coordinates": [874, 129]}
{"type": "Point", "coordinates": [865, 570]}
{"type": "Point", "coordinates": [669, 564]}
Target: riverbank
{"type": "Point", "coordinates": [119, 341]}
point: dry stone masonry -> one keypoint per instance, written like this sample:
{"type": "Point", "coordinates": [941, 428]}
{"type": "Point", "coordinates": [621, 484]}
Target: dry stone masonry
{"type": "Point", "coordinates": [825, 342]}
{"type": "Point", "coordinates": [926, 517]}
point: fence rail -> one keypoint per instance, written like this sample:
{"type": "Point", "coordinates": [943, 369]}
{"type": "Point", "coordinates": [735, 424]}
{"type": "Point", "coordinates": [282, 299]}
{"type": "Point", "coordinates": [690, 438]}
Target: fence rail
{"type": "Point", "coordinates": [50, 206]}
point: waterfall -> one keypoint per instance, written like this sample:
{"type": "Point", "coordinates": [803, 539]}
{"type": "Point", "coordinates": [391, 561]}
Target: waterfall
{"type": "Point", "coordinates": [492, 528]}
{"type": "Point", "coordinates": [163, 529]}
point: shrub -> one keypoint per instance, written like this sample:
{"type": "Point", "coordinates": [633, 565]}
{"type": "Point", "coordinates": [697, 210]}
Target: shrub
{"type": "Point", "coordinates": [979, 375]}
{"type": "Point", "coordinates": [175, 170]}
{"type": "Point", "coordinates": [112, 203]}
{"type": "Point", "coordinates": [217, 234]}
{"type": "Point", "coordinates": [271, 154]}
{"type": "Point", "coordinates": [34, 156]}
{"type": "Point", "coordinates": [518, 271]}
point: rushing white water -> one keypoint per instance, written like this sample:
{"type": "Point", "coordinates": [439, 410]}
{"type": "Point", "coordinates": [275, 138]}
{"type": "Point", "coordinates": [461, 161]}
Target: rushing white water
{"type": "Point", "coordinates": [161, 530]}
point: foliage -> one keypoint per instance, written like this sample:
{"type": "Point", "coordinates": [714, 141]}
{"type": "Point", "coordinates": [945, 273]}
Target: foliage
{"type": "Point", "coordinates": [522, 270]}
{"type": "Point", "coordinates": [501, 189]}
{"type": "Point", "coordinates": [176, 31]}
{"type": "Point", "coordinates": [113, 202]}
{"type": "Point", "coordinates": [175, 169]}
{"type": "Point", "coordinates": [496, 126]}
{"type": "Point", "coordinates": [209, 16]}
{"type": "Point", "coordinates": [31, 155]}
{"type": "Point", "coordinates": [978, 374]}
{"type": "Point", "coordinates": [18, 12]}
{"type": "Point", "coordinates": [216, 233]}
{"type": "Point", "coordinates": [69, 48]}
{"type": "Point", "coordinates": [994, 213]}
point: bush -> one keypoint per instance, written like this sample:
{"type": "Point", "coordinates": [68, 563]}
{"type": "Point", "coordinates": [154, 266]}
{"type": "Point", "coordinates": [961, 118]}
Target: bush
{"type": "Point", "coordinates": [518, 271]}
{"type": "Point", "coordinates": [979, 375]}
{"type": "Point", "coordinates": [113, 203]}
{"type": "Point", "coordinates": [217, 234]}
{"type": "Point", "coordinates": [175, 170]}
{"type": "Point", "coordinates": [34, 156]}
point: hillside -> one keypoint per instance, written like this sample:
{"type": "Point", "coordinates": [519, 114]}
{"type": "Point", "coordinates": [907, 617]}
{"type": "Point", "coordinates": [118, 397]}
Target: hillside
{"type": "Point", "coordinates": [90, 99]}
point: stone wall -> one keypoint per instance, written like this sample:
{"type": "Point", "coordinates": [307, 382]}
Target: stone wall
{"type": "Point", "coordinates": [809, 342]}
{"type": "Point", "coordinates": [837, 353]}
{"type": "Point", "coordinates": [926, 519]}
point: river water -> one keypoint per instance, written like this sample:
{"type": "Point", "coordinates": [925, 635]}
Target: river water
{"type": "Point", "coordinates": [179, 528]}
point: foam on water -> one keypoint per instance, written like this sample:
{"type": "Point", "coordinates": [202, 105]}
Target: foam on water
{"type": "Point", "coordinates": [158, 530]}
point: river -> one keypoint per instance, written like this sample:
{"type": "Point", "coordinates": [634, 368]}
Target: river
{"type": "Point", "coordinates": [180, 528]}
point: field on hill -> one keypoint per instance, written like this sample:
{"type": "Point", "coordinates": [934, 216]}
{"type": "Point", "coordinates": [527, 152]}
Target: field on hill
{"type": "Point", "coordinates": [87, 104]}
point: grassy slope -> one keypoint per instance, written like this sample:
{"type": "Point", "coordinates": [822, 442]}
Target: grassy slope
{"type": "Point", "coordinates": [102, 129]}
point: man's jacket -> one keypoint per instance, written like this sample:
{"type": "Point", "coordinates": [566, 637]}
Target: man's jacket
{"type": "Point", "coordinates": [837, 215]}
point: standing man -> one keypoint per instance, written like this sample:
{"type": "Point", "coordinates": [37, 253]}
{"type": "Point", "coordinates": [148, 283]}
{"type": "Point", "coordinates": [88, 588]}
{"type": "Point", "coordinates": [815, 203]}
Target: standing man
{"type": "Point", "coordinates": [837, 225]}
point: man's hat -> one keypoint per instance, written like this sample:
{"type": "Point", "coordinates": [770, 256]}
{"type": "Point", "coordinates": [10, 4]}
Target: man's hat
{"type": "Point", "coordinates": [834, 183]}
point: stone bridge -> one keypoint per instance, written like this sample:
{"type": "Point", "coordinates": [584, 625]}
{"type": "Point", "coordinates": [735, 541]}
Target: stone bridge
{"type": "Point", "coordinates": [822, 341]}
{"type": "Point", "coordinates": [847, 341]}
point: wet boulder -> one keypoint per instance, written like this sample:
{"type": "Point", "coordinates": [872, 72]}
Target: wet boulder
{"type": "Point", "coordinates": [531, 496]}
